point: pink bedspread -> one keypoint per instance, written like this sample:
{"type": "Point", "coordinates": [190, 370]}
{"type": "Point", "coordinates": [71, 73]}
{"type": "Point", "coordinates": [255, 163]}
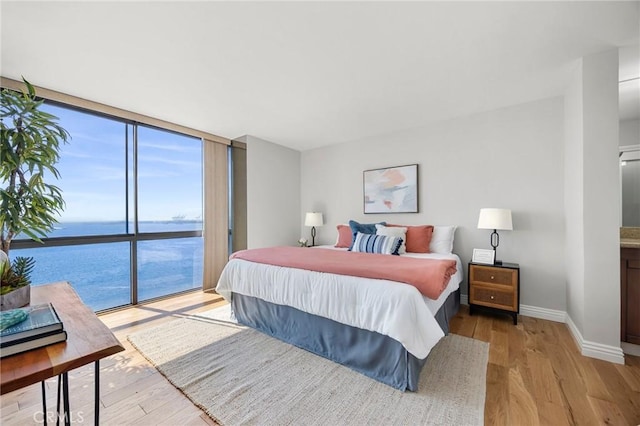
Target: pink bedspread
{"type": "Point", "coordinates": [429, 276]}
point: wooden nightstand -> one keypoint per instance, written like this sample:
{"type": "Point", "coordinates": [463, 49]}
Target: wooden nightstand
{"type": "Point", "coordinates": [495, 287]}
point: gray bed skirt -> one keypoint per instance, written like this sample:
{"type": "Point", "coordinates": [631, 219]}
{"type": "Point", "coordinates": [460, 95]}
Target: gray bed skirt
{"type": "Point", "coordinates": [372, 354]}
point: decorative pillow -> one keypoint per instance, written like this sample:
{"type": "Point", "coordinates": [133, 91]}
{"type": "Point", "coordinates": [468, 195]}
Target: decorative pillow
{"type": "Point", "coordinates": [418, 238]}
{"type": "Point", "coordinates": [395, 231]}
{"type": "Point", "coordinates": [365, 228]}
{"type": "Point", "coordinates": [442, 240]}
{"type": "Point", "coordinates": [371, 243]}
{"type": "Point", "coordinates": [345, 237]}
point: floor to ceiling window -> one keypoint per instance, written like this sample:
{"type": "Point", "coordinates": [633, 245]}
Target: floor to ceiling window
{"type": "Point", "coordinates": [132, 227]}
{"type": "Point", "coordinates": [169, 177]}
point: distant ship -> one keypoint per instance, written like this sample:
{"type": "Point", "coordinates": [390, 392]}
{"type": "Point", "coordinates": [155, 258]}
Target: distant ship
{"type": "Point", "coordinates": [178, 217]}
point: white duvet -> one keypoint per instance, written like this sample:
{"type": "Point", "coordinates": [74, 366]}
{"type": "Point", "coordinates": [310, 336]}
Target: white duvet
{"type": "Point", "coordinates": [394, 309]}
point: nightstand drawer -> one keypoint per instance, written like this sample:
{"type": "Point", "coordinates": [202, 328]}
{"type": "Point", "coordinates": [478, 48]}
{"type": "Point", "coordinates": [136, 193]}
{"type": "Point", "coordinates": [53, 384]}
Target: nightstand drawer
{"type": "Point", "coordinates": [493, 297]}
{"type": "Point", "coordinates": [491, 275]}
{"type": "Point", "coordinates": [495, 287]}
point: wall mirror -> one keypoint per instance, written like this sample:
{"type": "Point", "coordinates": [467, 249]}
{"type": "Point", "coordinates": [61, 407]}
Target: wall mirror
{"type": "Point", "coordinates": [629, 143]}
{"type": "Point", "coordinates": [630, 185]}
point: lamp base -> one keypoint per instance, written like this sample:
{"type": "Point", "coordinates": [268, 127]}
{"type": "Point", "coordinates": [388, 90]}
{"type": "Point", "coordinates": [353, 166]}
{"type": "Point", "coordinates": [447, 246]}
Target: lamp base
{"type": "Point", "coordinates": [313, 236]}
{"type": "Point", "coordinates": [497, 262]}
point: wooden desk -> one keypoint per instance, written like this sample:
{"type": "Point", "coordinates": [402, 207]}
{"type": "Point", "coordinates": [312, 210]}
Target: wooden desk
{"type": "Point", "coordinates": [88, 340]}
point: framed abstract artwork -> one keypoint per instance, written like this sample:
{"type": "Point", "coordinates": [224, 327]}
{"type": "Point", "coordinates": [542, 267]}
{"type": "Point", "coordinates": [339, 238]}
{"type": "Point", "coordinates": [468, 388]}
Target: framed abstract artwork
{"type": "Point", "coordinates": [391, 190]}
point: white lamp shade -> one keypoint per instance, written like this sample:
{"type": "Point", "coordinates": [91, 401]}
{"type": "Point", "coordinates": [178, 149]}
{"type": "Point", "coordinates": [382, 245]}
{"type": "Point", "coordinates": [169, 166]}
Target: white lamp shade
{"type": "Point", "coordinates": [313, 219]}
{"type": "Point", "coordinates": [495, 219]}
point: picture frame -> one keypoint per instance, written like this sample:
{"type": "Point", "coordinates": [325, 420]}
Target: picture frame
{"type": "Point", "coordinates": [390, 189]}
{"type": "Point", "coordinates": [484, 256]}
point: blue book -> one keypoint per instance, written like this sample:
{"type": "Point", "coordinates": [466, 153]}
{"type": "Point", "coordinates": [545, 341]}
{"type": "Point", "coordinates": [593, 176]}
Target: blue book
{"type": "Point", "coordinates": [41, 320]}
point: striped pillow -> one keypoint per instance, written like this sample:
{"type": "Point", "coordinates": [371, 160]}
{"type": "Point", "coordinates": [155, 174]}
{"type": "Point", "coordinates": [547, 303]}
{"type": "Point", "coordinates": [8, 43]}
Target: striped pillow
{"type": "Point", "coordinates": [382, 244]}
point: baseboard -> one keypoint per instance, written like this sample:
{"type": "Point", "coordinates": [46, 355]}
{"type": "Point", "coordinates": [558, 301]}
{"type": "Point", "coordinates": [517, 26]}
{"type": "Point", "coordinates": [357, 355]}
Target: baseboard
{"type": "Point", "coordinates": [595, 350]}
{"type": "Point", "coordinates": [543, 313]}
{"type": "Point", "coordinates": [603, 352]}
{"type": "Point", "coordinates": [531, 311]}
{"type": "Point", "coordinates": [591, 349]}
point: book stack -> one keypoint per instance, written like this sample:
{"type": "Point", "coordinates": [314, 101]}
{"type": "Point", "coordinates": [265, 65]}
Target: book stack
{"type": "Point", "coordinates": [41, 327]}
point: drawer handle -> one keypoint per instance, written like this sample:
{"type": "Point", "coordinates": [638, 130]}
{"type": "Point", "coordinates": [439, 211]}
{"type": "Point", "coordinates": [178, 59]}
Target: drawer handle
{"type": "Point", "coordinates": [492, 277]}
{"type": "Point", "coordinates": [492, 297]}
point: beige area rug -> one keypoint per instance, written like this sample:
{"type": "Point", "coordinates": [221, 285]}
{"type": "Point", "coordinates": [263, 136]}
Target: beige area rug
{"type": "Point", "coordinates": [239, 376]}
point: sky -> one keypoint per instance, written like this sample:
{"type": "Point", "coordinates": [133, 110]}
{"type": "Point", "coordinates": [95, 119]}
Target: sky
{"type": "Point", "coordinates": [93, 172]}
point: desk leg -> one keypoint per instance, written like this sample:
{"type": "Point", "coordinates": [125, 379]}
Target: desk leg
{"type": "Point", "coordinates": [44, 404]}
{"type": "Point", "coordinates": [63, 379]}
{"type": "Point", "coordinates": [58, 401]}
{"type": "Point", "coordinates": [65, 396]}
{"type": "Point", "coordinates": [97, 395]}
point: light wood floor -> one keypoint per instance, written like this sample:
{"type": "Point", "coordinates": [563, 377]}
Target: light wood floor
{"type": "Point", "coordinates": [132, 392]}
{"type": "Point", "coordinates": [535, 376]}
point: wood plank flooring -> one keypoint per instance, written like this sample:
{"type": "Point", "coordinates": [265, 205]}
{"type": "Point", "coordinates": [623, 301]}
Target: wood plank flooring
{"type": "Point", "coordinates": [132, 391]}
{"type": "Point", "coordinates": [535, 376]}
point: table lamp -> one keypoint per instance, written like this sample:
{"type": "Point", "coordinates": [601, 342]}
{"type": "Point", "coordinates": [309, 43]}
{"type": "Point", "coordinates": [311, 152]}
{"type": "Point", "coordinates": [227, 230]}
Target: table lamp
{"type": "Point", "coordinates": [496, 219]}
{"type": "Point", "coordinates": [313, 219]}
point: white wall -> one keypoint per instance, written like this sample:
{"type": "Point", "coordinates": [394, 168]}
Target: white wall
{"type": "Point", "coordinates": [573, 201]}
{"type": "Point", "coordinates": [510, 158]}
{"type": "Point", "coordinates": [592, 187]}
{"type": "Point", "coordinates": [273, 194]}
{"type": "Point", "coordinates": [553, 162]}
{"type": "Point", "coordinates": [601, 198]}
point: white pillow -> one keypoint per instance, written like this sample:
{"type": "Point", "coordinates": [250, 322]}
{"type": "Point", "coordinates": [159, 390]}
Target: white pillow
{"type": "Point", "coordinates": [442, 239]}
{"type": "Point", "coordinates": [394, 231]}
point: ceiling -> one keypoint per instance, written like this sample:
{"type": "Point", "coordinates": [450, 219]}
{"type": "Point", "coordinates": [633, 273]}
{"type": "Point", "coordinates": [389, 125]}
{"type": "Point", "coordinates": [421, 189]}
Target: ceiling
{"type": "Point", "coordinates": [306, 75]}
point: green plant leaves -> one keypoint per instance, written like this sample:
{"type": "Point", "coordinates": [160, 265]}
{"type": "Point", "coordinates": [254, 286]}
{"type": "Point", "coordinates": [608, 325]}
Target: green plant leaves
{"type": "Point", "coordinates": [30, 142]}
{"type": "Point", "coordinates": [17, 275]}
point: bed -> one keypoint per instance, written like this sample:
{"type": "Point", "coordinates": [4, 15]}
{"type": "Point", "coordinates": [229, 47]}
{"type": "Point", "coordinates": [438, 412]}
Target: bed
{"type": "Point", "coordinates": [380, 328]}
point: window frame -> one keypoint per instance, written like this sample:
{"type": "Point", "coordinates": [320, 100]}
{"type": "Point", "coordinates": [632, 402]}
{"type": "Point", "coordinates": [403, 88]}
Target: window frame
{"type": "Point", "coordinates": [132, 236]}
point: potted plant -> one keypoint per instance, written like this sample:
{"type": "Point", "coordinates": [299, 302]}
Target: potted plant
{"type": "Point", "coordinates": [30, 141]}
{"type": "Point", "coordinates": [16, 280]}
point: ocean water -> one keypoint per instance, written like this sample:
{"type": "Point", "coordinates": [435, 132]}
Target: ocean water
{"type": "Point", "coordinates": [101, 273]}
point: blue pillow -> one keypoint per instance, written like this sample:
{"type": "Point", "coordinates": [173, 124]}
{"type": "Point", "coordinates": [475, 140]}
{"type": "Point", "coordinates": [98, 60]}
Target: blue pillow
{"type": "Point", "coordinates": [381, 244]}
{"type": "Point", "coordinates": [365, 228]}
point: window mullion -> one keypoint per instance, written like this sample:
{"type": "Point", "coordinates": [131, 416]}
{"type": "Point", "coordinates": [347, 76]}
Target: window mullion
{"type": "Point", "coordinates": [134, 241]}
